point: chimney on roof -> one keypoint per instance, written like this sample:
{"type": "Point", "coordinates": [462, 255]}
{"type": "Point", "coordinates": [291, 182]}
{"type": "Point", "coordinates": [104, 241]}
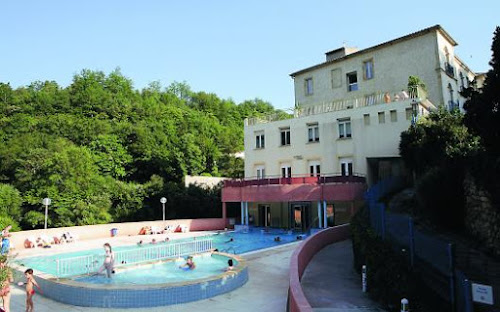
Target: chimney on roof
{"type": "Point", "coordinates": [340, 52]}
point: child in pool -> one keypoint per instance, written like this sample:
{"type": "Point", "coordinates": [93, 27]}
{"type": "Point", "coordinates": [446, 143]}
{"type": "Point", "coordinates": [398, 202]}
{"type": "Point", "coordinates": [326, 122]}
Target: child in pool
{"type": "Point", "coordinates": [189, 265]}
{"type": "Point", "coordinates": [30, 289]}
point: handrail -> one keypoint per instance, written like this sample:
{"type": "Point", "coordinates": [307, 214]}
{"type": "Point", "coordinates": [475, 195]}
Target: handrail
{"type": "Point", "coordinates": [90, 263]}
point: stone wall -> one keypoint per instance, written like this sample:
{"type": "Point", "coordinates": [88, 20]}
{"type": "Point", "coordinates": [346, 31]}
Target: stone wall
{"type": "Point", "coordinates": [482, 217]}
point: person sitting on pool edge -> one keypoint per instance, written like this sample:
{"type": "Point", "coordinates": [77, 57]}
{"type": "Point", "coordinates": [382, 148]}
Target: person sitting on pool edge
{"type": "Point", "coordinates": [189, 265]}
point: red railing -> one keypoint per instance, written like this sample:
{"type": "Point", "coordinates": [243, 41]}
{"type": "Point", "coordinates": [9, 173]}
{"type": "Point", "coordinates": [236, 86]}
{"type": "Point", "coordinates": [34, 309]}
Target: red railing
{"type": "Point", "coordinates": [334, 178]}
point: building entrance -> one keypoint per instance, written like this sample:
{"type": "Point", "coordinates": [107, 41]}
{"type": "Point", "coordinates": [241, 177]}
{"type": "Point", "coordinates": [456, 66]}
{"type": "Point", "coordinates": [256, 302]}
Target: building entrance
{"type": "Point", "coordinates": [300, 215]}
{"type": "Point", "coordinates": [264, 215]}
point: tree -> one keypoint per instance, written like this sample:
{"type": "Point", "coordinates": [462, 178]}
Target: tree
{"type": "Point", "coordinates": [483, 118]}
{"type": "Point", "coordinates": [483, 106]}
{"type": "Point", "coordinates": [437, 140]}
{"type": "Point", "coordinates": [436, 149]}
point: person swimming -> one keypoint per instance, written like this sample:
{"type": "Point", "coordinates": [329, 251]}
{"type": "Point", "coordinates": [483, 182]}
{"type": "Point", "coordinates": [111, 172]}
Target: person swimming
{"type": "Point", "coordinates": [189, 265]}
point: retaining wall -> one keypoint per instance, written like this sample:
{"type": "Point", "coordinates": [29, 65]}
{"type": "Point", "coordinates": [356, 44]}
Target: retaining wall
{"type": "Point", "coordinates": [124, 229]}
{"type": "Point", "coordinates": [297, 301]}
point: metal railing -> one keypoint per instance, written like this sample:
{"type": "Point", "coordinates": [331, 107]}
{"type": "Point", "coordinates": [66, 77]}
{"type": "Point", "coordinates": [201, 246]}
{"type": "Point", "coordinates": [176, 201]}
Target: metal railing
{"type": "Point", "coordinates": [453, 105]}
{"type": "Point", "coordinates": [161, 251]}
{"type": "Point", "coordinates": [449, 69]}
{"type": "Point", "coordinates": [413, 93]}
{"type": "Point", "coordinates": [297, 179]}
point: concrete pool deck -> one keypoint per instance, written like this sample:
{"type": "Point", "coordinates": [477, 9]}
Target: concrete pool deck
{"type": "Point", "coordinates": [266, 289]}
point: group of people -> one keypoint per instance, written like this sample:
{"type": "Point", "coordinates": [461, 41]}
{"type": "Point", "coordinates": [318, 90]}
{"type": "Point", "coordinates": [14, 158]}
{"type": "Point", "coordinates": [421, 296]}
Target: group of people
{"type": "Point", "coordinates": [45, 241]}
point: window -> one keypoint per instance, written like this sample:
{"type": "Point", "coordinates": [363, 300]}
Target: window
{"type": "Point", "coordinates": [261, 172]}
{"type": "Point", "coordinates": [309, 86]}
{"type": "Point", "coordinates": [368, 69]}
{"type": "Point", "coordinates": [352, 81]}
{"type": "Point", "coordinates": [344, 128]}
{"type": "Point", "coordinates": [285, 136]}
{"type": "Point", "coordinates": [346, 166]}
{"type": "Point", "coordinates": [409, 113]}
{"type": "Point", "coordinates": [314, 168]}
{"type": "Point", "coordinates": [259, 140]}
{"type": "Point", "coordinates": [450, 89]}
{"type": "Point", "coordinates": [286, 171]}
{"type": "Point", "coordinates": [381, 117]}
{"type": "Point", "coordinates": [336, 78]}
{"type": "Point", "coordinates": [462, 84]}
{"type": "Point", "coordinates": [366, 118]}
{"type": "Point", "coordinates": [313, 133]}
{"type": "Point", "coordinates": [394, 115]}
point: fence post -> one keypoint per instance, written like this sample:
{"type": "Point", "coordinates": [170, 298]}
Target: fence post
{"type": "Point", "coordinates": [382, 220]}
{"type": "Point", "coordinates": [363, 278]}
{"type": "Point", "coordinates": [412, 241]}
{"type": "Point", "coordinates": [451, 263]}
{"type": "Point", "coordinates": [467, 295]}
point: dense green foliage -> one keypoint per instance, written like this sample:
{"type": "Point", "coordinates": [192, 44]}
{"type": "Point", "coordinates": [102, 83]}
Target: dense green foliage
{"type": "Point", "coordinates": [483, 118]}
{"type": "Point", "coordinates": [436, 149]}
{"type": "Point", "coordinates": [103, 151]}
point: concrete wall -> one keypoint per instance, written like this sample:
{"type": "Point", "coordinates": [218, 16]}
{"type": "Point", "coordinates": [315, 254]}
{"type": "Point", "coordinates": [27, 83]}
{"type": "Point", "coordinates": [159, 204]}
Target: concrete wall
{"type": "Point", "coordinates": [302, 256]}
{"type": "Point", "coordinates": [124, 229]}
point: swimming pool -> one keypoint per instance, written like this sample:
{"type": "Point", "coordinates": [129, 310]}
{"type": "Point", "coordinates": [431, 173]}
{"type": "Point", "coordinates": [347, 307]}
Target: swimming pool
{"type": "Point", "coordinates": [163, 272]}
{"type": "Point", "coordinates": [152, 291]}
{"type": "Point", "coordinates": [228, 242]}
{"type": "Point", "coordinates": [154, 283]}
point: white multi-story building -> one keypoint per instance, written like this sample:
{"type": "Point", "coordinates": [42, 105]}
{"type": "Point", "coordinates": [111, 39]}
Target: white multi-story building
{"type": "Point", "coordinates": [345, 132]}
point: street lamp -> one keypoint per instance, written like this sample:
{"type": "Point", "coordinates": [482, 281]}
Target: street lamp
{"type": "Point", "coordinates": [46, 202]}
{"type": "Point", "coordinates": [163, 200]}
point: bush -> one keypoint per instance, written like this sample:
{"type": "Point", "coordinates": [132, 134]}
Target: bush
{"type": "Point", "coordinates": [440, 197]}
{"type": "Point", "coordinates": [389, 277]}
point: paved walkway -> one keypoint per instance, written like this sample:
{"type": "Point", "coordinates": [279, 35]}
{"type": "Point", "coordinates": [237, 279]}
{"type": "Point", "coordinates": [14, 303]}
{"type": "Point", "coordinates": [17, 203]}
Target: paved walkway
{"type": "Point", "coordinates": [265, 291]}
{"type": "Point", "coordinates": [331, 284]}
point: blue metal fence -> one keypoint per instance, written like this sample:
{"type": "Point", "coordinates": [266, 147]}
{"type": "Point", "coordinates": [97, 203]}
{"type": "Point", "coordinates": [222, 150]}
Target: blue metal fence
{"type": "Point", "coordinates": [429, 251]}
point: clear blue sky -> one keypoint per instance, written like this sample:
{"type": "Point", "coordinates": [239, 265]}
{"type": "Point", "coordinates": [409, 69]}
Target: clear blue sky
{"type": "Point", "coordinates": [236, 49]}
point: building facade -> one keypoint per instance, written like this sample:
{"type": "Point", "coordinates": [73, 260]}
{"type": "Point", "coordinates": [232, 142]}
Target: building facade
{"type": "Point", "coordinates": [312, 169]}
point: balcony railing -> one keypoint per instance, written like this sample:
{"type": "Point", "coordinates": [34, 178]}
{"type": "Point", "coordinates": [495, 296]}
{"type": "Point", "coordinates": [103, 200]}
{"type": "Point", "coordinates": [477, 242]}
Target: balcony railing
{"type": "Point", "coordinates": [452, 105]}
{"type": "Point", "coordinates": [275, 180]}
{"type": "Point", "coordinates": [449, 69]}
{"type": "Point", "coordinates": [414, 93]}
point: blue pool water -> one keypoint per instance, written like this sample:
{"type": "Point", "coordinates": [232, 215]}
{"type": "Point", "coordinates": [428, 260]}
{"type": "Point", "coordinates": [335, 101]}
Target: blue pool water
{"type": "Point", "coordinates": [229, 242]}
{"type": "Point", "coordinates": [166, 272]}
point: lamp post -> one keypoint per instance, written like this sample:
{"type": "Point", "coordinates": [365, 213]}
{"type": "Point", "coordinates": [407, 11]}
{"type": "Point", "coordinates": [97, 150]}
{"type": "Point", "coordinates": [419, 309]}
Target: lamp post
{"type": "Point", "coordinates": [46, 201]}
{"type": "Point", "coordinates": [163, 200]}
